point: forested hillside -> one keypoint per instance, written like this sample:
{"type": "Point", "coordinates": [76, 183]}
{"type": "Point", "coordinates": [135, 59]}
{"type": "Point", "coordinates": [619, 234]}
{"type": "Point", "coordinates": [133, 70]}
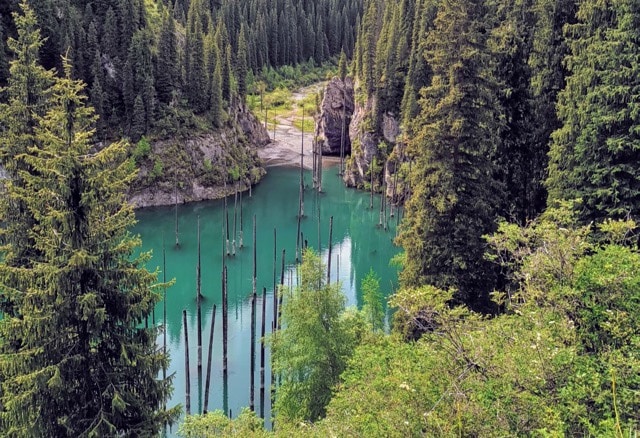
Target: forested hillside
{"type": "Point", "coordinates": [505, 108]}
{"type": "Point", "coordinates": [152, 65]}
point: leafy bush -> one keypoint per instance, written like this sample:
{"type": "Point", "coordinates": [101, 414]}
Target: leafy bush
{"type": "Point", "coordinates": [142, 150]}
{"type": "Point", "coordinates": [158, 167]}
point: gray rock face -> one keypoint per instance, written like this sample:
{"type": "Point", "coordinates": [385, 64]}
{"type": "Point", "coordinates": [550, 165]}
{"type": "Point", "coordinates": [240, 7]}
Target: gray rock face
{"type": "Point", "coordinates": [203, 167]}
{"type": "Point", "coordinates": [253, 130]}
{"type": "Point", "coordinates": [366, 145]}
{"type": "Point", "coordinates": [333, 122]}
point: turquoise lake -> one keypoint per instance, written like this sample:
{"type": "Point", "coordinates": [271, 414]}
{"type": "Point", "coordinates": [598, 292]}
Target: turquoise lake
{"type": "Point", "coordinates": [358, 245]}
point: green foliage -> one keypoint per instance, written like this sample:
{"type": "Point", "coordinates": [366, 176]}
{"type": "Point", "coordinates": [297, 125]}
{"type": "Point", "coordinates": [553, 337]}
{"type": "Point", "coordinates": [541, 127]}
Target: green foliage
{"type": "Point", "coordinates": [72, 343]}
{"type": "Point", "coordinates": [141, 151]}
{"type": "Point", "coordinates": [216, 423]}
{"type": "Point", "coordinates": [592, 155]}
{"type": "Point", "coordinates": [597, 295]}
{"type": "Point", "coordinates": [214, 86]}
{"type": "Point", "coordinates": [158, 167]}
{"type": "Point", "coordinates": [308, 125]}
{"type": "Point", "coordinates": [342, 66]}
{"type": "Point", "coordinates": [27, 100]}
{"type": "Point", "coordinates": [167, 78]}
{"type": "Point", "coordinates": [372, 302]}
{"type": "Point", "coordinates": [241, 64]}
{"type": "Point", "coordinates": [312, 349]}
{"type": "Point", "coordinates": [560, 361]}
{"type": "Point", "coordinates": [161, 45]}
{"type": "Point", "coordinates": [234, 173]}
{"type": "Point", "coordinates": [465, 377]}
{"type": "Point", "coordinates": [196, 75]}
{"type": "Point", "coordinates": [4, 59]}
{"type": "Point", "coordinates": [278, 98]}
{"type": "Point", "coordinates": [292, 77]}
{"type": "Point", "coordinates": [455, 197]}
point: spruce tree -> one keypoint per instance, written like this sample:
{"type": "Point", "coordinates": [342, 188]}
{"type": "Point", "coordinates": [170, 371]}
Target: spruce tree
{"type": "Point", "coordinates": [367, 40]}
{"type": "Point", "coordinates": [110, 38]}
{"type": "Point", "coordinates": [454, 196]}
{"type": "Point", "coordinates": [419, 71]}
{"type": "Point", "coordinates": [214, 73]}
{"type": "Point", "coordinates": [4, 59]}
{"type": "Point", "coordinates": [138, 122]}
{"type": "Point", "coordinates": [26, 102]}
{"type": "Point", "coordinates": [227, 69]}
{"type": "Point", "coordinates": [342, 66]}
{"type": "Point", "coordinates": [519, 160]}
{"type": "Point", "coordinates": [167, 67]}
{"type": "Point", "coordinates": [222, 40]}
{"type": "Point", "coordinates": [241, 65]}
{"type": "Point", "coordinates": [75, 360]}
{"type": "Point", "coordinates": [196, 77]}
{"type": "Point", "coordinates": [594, 154]}
{"type": "Point", "coordinates": [140, 58]}
{"type": "Point", "coordinates": [548, 72]}
{"type": "Point", "coordinates": [96, 93]}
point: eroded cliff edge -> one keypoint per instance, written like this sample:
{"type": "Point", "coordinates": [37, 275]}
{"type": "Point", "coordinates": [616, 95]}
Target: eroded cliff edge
{"type": "Point", "coordinates": [201, 167]}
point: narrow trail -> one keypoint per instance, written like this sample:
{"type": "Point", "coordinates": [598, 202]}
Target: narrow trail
{"type": "Point", "coordinates": [285, 150]}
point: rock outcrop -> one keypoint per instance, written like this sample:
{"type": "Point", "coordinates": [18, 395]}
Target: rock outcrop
{"type": "Point", "coordinates": [367, 144]}
{"type": "Point", "coordinates": [253, 130]}
{"type": "Point", "coordinates": [332, 124]}
{"type": "Point", "coordinates": [202, 167]}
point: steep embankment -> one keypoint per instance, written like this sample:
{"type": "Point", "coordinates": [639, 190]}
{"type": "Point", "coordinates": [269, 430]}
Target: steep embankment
{"type": "Point", "coordinates": [200, 167]}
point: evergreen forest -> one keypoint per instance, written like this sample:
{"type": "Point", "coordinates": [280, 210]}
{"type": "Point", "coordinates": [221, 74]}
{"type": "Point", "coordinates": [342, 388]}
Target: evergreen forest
{"type": "Point", "coordinates": [514, 161]}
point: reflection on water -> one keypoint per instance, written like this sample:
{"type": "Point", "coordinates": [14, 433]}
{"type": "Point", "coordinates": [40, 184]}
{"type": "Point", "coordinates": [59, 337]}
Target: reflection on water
{"type": "Point", "coordinates": [358, 245]}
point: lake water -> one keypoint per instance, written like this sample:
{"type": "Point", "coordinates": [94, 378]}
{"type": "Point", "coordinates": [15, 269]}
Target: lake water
{"type": "Point", "coordinates": [359, 245]}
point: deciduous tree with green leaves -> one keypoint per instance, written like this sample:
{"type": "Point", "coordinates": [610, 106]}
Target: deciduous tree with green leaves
{"type": "Point", "coordinates": [372, 302]}
{"type": "Point", "coordinates": [312, 349]}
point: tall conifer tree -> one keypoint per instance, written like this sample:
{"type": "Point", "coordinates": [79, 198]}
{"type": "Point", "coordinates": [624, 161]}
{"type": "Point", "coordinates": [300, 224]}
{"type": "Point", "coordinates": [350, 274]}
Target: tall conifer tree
{"type": "Point", "coordinates": [79, 364]}
{"type": "Point", "coordinates": [214, 72]}
{"type": "Point", "coordinates": [4, 59]}
{"type": "Point", "coordinates": [454, 196]}
{"type": "Point", "coordinates": [168, 68]}
{"type": "Point", "coordinates": [26, 101]}
{"type": "Point", "coordinates": [595, 155]}
{"type": "Point", "coordinates": [196, 77]}
{"type": "Point", "coordinates": [241, 65]}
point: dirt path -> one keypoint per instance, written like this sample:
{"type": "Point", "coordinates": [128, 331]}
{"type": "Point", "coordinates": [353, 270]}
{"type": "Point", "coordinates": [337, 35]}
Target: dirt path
{"type": "Point", "coordinates": [285, 150]}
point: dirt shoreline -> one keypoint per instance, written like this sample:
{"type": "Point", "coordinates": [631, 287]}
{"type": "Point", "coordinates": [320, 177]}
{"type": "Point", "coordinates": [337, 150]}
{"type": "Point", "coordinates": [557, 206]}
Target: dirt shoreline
{"type": "Point", "coordinates": [285, 149]}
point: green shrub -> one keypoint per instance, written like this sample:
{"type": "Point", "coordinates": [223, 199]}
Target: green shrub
{"type": "Point", "coordinates": [158, 167]}
{"type": "Point", "coordinates": [141, 150]}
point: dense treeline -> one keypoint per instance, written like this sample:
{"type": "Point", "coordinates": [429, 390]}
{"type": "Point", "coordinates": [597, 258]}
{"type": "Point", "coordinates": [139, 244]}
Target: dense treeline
{"type": "Point", "coordinates": [474, 85]}
{"type": "Point", "coordinates": [506, 107]}
{"type": "Point", "coordinates": [151, 65]}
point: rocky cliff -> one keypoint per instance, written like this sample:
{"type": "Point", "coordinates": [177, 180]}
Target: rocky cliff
{"type": "Point", "coordinates": [370, 145]}
{"type": "Point", "coordinates": [332, 124]}
{"type": "Point", "coordinates": [200, 167]}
